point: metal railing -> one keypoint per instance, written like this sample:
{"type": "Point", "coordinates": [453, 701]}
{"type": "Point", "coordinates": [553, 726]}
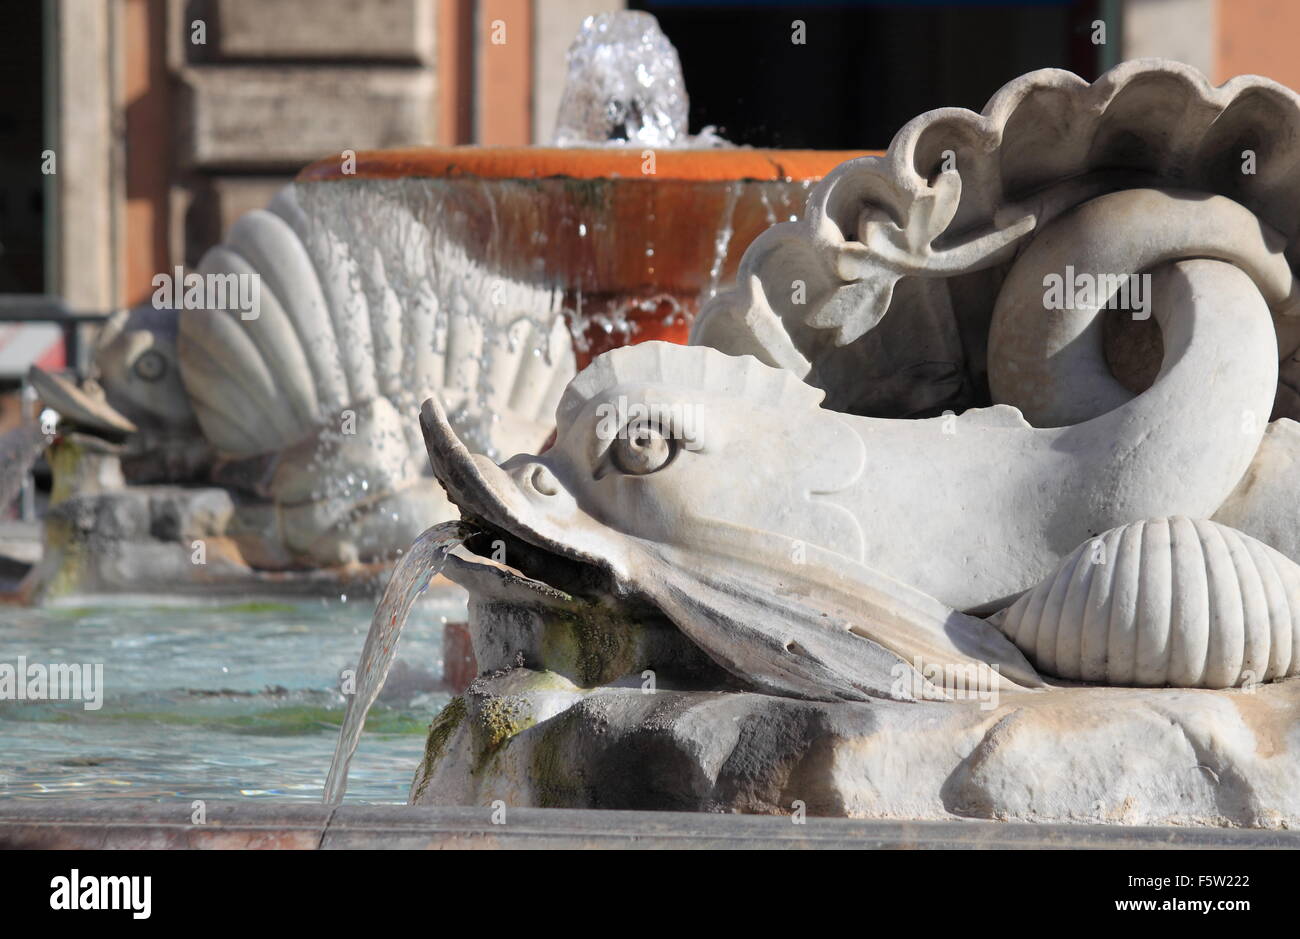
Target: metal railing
{"type": "Point", "coordinates": [47, 308]}
{"type": "Point", "coordinates": [43, 308]}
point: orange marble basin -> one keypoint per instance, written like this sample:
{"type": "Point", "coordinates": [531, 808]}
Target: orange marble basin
{"type": "Point", "coordinates": [636, 239]}
{"type": "Point", "coordinates": [713, 165]}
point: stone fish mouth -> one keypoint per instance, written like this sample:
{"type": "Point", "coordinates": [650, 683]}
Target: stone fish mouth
{"type": "Point", "coordinates": [557, 585]}
{"type": "Point", "coordinates": [506, 545]}
{"type": "Point", "coordinates": [549, 576]}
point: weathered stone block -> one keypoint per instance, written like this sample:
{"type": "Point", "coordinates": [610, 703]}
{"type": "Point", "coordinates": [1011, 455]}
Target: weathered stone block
{"type": "Point", "coordinates": [1124, 756]}
{"type": "Point", "coordinates": [177, 514]}
{"type": "Point", "coordinates": [283, 117]}
{"type": "Point", "coordinates": [324, 29]}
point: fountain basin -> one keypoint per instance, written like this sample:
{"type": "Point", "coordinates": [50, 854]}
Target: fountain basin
{"type": "Point", "coordinates": [631, 240]}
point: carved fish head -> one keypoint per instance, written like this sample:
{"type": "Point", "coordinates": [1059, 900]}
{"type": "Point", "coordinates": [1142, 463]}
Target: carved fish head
{"type": "Point", "coordinates": [139, 369]}
{"type": "Point", "coordinates": [704, 484]}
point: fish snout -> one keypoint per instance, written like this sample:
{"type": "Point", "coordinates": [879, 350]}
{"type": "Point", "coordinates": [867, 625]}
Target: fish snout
{"type": "Point", "coordinates": [533, 478]}
{"type": "Point", "coordinates": [540, 480]}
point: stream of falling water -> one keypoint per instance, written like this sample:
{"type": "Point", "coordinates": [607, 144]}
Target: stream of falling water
{"type": "Point", "coordinates": [19, 450]}
{"type": "Point", "coordinates": [411, 576]}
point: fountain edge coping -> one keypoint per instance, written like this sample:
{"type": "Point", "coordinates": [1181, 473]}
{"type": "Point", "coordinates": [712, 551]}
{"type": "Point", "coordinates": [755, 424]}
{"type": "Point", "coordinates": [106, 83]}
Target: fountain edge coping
{"type": "Point", "coordinates": [147, 824]}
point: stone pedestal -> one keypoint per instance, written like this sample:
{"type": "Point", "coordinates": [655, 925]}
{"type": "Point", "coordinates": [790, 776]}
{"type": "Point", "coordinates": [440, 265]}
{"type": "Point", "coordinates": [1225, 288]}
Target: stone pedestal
{"type": "Point", "coordinates": [1079, 755]}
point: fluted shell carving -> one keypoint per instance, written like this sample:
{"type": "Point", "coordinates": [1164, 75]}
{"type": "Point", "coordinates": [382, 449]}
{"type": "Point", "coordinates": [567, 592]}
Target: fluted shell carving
{"type": "Point", "coordinates": [333, 333]}
{"type": "Point", "coordinates": [362, 314]}
{"type": "Point", "coordinates": [1171, 601]}
{"type": "Point", "coordinates": [882, 292]}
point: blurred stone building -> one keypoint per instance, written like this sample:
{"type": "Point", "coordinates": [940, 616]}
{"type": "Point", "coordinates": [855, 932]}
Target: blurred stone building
{"type": "Point", "coordinates": [168, 118]}
{"type": "Point", "coordinates": [182, 114]}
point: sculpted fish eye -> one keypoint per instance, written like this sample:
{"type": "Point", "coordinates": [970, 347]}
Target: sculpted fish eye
{"type": "Point", "coordinates": [150, 366]}
{"type": "Point", "coordinates": [642, 450]}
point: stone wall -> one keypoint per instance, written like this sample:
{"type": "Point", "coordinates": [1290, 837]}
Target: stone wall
{"type": "Point", "coordinates": [262, 87]}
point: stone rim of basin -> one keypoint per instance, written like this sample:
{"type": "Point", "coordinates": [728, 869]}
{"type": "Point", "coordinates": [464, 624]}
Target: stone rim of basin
{"type": "Point", "coordinates": [623, 163]}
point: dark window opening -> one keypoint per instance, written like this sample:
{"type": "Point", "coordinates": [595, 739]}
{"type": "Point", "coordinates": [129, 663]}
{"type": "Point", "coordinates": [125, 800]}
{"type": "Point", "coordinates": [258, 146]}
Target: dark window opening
{"type": "Point", "coordinates": [22, 141]}
{"type": "Point", "coordinates": [864, 69]}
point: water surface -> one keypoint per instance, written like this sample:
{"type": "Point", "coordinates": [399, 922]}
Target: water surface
{"type": "Point", "coordinates": [217, 702]}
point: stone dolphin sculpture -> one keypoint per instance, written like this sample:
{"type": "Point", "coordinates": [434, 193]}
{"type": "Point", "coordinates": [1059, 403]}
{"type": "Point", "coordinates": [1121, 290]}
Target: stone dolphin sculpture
{"type": "Point", "coordinates": [720, 500]}
{"type": "Point", "coordinates": [790, 498]}
{"type": "Point", "coordinates": [356, 325]}
{"type": "Point", "coordinates": [885, 292]}
{"type": "Point", "coordinates": [808, 547]}
{"type": "Point", "coordinates": [716, 489]}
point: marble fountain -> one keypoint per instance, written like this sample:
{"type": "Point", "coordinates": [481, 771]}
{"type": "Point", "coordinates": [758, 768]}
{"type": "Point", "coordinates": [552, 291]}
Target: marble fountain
{"type": "Point", "coordinates": [964, 489]}
{"type": "Point", "coordinates": [975, 498]}
{"type": "Point", "coordinates": [235, 478]}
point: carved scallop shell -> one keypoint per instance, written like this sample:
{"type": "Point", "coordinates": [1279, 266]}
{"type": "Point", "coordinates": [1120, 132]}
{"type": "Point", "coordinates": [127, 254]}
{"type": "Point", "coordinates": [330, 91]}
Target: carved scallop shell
{"type": "Point", "coordinates": [1177, 601]}
{"type": "Point", "coordinates": [362, 314]}
{"type": "Point", "coordinates": [929, 229]}
{"type": "Point", "coordinates": [342, 323]}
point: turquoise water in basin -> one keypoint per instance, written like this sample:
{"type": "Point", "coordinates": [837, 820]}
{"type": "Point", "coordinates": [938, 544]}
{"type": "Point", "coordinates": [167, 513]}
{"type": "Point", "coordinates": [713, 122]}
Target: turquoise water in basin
{"type": "Point", "coordinates": [217, 702]}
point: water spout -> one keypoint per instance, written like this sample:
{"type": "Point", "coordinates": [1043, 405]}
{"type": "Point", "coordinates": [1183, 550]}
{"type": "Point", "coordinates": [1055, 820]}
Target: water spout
{"type": "Point", "coordinates": [410, 578]}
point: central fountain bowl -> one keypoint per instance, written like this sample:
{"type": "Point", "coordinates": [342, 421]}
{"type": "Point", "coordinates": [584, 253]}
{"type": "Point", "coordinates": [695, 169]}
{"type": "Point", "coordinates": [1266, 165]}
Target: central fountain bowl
{"type": "Point", "coordinates": [628, 241]}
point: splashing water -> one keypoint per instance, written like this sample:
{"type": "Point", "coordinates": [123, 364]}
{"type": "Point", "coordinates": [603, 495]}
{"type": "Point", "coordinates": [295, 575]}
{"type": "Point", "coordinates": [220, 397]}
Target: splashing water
{"type": "Point", "coordinates": [625, 87]}
{"type": "Point", "coordinates": [722, 242]}
{"type": "Point", "coordinates": [410, 578]}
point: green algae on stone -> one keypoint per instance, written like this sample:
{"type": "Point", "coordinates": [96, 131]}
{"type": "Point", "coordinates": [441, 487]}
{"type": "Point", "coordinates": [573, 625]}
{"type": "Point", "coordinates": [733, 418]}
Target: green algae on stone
{"type": "Point", "coordinates": [499, 720]}
{"type": "Point", "coordinates": [593, 643]}
{"type": "Point", "coordinates": [441, 730]}
{"type": "Point", "coordinates": [65, 562]}
{"type": "Point", "coordinates": [502, 717]}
